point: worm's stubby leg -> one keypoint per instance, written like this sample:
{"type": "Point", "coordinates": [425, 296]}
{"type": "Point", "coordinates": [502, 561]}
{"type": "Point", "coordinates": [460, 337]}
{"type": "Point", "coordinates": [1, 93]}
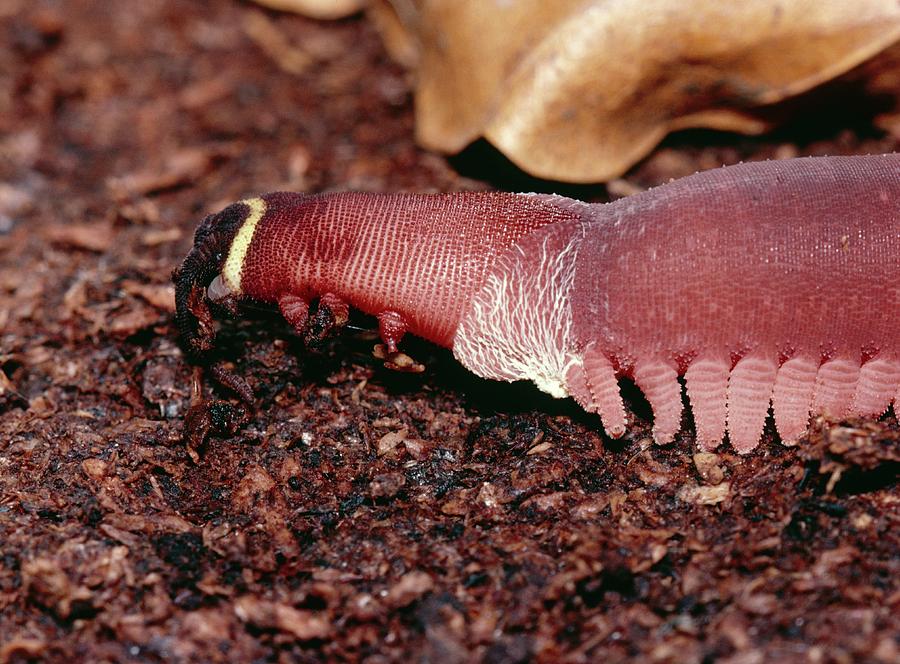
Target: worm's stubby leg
{"type": "Point", "coordinates": [577, 386]}
{"type": "Point", "coordinates": [606, 400]}
{"type": "Point", "coordinates": [658, 380]}
{"type": "Point", "coordinates": [751, 385]}
{"type": "Point", "coordinates": [295, 310]}
{"type": "Point", "coordinates": [835, 386]}
{"type": "Point", "coordinates": [392, 327]}
{"type": "Point", "coordinates": [331, 314]}
{"type": "Point", "coordinates": [792, 397]}
{"type": "Point", "coordinates": [338, 309]}
{"type": "Point", "coordinates": [878, 381]}
{"type": "Point", "coordinates": [707, 387]}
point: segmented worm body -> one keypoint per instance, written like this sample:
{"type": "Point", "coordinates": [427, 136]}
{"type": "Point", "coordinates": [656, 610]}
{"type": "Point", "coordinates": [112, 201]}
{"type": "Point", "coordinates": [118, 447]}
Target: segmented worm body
{"type": "Point", "coordinates": [764, 283]}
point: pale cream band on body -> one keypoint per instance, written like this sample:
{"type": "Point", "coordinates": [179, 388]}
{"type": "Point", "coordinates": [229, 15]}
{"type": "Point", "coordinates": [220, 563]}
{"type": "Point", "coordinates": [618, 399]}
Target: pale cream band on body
{"type": "Point", "coordinates": [233, 267]}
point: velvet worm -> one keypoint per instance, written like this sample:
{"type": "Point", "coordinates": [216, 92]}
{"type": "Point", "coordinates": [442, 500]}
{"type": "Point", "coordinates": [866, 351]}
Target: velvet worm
{"type": "Point", "coordinates": [762, 283]}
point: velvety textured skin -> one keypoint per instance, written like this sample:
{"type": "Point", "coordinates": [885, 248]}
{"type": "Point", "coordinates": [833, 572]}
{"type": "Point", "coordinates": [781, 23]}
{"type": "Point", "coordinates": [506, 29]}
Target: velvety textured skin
{"type": "Point", "coordinates": [770, 282]}
{"type": "Point", "coordinates": [738, 270]}
{"type": "Point", "coordinates": [421, 256]}
{"type": "Point", "coordinates": [775, 282]}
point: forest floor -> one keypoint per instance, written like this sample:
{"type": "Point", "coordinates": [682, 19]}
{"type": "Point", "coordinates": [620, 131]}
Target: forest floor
{"type": "Point", "coordinates": [362, 514]}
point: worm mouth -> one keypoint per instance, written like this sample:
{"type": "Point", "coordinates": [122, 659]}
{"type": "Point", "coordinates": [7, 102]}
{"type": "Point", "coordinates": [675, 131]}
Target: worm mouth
{"type": "Point", "coordinates": [200, 267]}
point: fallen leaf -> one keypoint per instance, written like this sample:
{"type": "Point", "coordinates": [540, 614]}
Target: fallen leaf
{"type": "Point", "coordinates": [322, 9]}
{"type": "Point", "coordinates": [580, 90]}
{"type": "Point", "coordinates": [130, 321]}
{"type": "Point", "coordinates": [22, 649]}
{"type": "Point", "coordinates": [275, 44]}
{"type": "Point", "coordinates": [92, 237]}
{"type": "Point", "coordinates": [704, 495]}
{"type": "Point", "coordinates": [303, 625]}
{"type": "Point", "coordinates": [707, 465]}
{"type": "Point", "coordinates": [409, 588]}
{"type": "Point", "coordinates": [181, 167]}
{"type": "Point", "coordinates": [390, 440]}
{"type": "Point", "coordinates": [50, 586]}
{"type": "Point", "coordinates": [161, 296]}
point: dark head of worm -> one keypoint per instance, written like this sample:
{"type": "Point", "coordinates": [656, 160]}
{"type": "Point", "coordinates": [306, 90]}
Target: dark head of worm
{"type": "Point", "coordinates": [192, 315]}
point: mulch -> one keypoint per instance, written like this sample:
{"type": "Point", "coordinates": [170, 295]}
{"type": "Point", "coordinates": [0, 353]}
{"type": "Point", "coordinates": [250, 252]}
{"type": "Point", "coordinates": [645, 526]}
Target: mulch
{"type": "Point", "coordinates": [362, 514]}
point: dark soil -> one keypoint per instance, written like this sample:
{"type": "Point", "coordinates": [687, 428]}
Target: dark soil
{"type": "Point", "coordinates": [362, 514]}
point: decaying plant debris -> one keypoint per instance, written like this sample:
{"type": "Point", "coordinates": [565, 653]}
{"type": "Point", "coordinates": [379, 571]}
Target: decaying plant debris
{"type": "Point", "coordinates": [363, 514]}
{"type": "Point", "coordinates": [579, 91]}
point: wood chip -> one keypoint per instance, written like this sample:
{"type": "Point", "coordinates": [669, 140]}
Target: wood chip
{"type": "Point", "coordinates": [97, 237]}
{"type": "Point", "coordinates": [390, 440]}
{"type": "Point", "coordinates": [303, 625]}
{"type": "Point", "coordinates": [704, 495]}
{"type": "Point", "coordinates": [161, 296]}
{"type": "Point", "coordinates": [409, 588]}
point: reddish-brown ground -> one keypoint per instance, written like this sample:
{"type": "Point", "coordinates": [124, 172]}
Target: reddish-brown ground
{"type": "Point", "coordinates": [362, 514]}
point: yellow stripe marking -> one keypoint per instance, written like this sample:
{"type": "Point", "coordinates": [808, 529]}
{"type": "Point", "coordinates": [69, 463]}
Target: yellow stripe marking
{"type": "Point", "coordinates": [233, 268]}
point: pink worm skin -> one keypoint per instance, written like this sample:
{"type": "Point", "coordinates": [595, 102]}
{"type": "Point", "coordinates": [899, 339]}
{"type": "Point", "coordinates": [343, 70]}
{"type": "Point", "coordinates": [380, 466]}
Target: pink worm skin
{"type": "Point", "coordinates": [765, 283]}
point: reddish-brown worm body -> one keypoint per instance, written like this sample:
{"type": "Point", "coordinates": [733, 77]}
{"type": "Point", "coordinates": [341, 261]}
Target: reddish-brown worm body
{"type": "Point", "coordinates": [765, 283]}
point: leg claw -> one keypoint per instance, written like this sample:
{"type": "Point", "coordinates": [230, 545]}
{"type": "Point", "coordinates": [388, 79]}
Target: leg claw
{"type": "Point", "coordinates": [331, 315]}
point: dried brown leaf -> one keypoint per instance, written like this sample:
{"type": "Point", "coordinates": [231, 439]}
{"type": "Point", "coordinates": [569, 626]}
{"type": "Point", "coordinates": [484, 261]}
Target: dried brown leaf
{"type": "Point", "coordinates": [323, 9]}
{"type": "Point", "coordinates": [22, 649]}
{"type": "Point", "coordinates": [390, 440]}
{"type": "Point", "coordinates": [409, 588]}
{"type": "Point", "coordinates": [161, 296]}
{"type": "Point", "coordinates": [704, 495]}
{"type": "Point", "coordinates": [580, 90]}
{"type": "Point", "coordinates": [302, 625]}
{"type": "Point", "coordinates": [181, 167]}
{"type": "Point", "coordinates": [91, 237]}
{"type": "Point", "coordinates": [130, 321]}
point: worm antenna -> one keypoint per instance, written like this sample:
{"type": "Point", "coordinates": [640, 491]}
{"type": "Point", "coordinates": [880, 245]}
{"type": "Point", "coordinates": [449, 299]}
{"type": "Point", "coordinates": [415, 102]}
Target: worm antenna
{"type": "Point", "coordinates": [211, 243]}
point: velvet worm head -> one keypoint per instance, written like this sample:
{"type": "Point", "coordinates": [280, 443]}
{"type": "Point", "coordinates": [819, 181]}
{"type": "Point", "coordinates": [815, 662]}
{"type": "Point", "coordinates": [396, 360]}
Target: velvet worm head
{"type": "Point", "coordinates": [774, 283]}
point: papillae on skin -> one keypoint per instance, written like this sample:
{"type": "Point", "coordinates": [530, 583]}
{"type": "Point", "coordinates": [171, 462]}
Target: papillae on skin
{"type": "Point", "coordinates": [764, 283]}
